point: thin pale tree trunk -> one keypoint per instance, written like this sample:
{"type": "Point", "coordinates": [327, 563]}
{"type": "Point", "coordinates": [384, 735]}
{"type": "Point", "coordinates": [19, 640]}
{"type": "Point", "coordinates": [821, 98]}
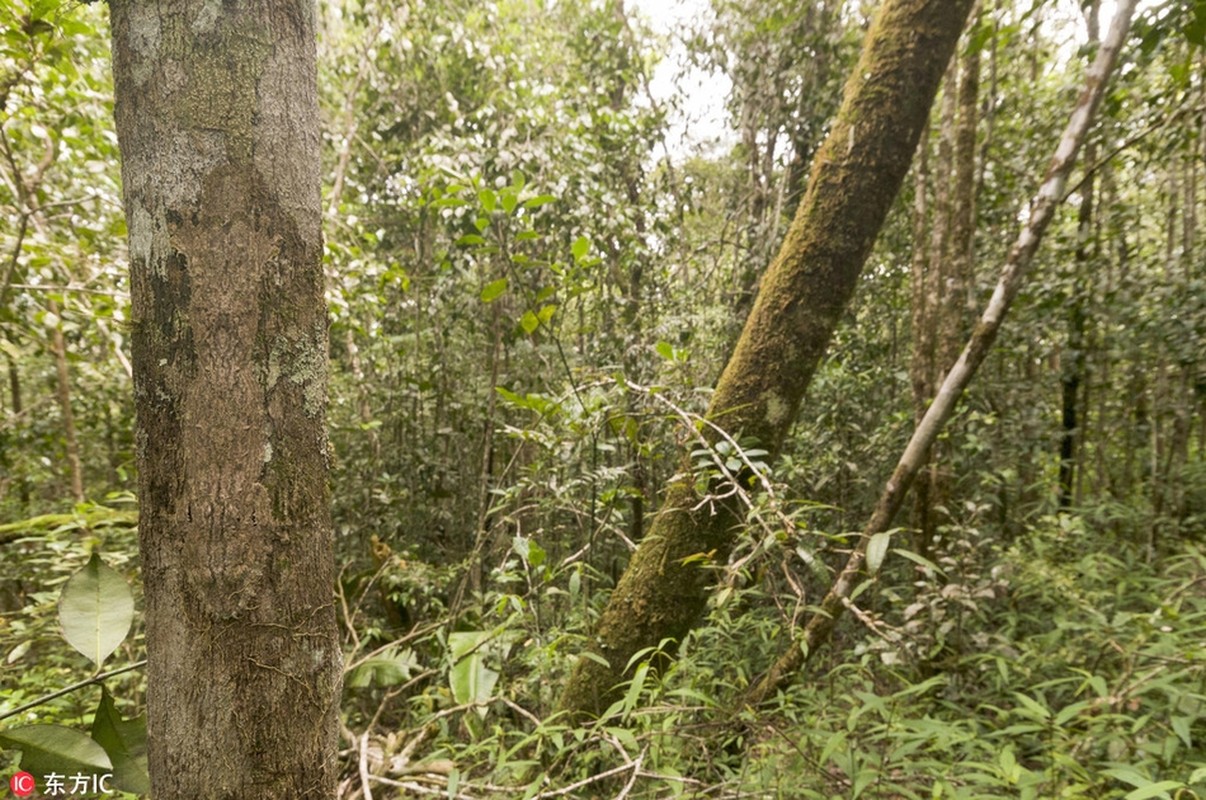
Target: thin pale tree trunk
{"type": "Point", "coordinates": [71, 440]}
{"type": "Point", "coordinates": [1042, 208]}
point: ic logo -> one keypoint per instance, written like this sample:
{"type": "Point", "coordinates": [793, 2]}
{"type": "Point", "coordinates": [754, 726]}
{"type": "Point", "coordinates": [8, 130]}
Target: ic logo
{"type": "Point", "coordinates": [22, 784]}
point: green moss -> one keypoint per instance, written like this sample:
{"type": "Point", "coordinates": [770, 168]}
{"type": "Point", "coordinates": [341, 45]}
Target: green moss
{"type": "Point", "coordinates": [222, 92]}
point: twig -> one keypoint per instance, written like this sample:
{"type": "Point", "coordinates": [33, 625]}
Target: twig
{"type": "Point", "coordinates": [632, 779]}
{"type": "Point", "coordinates": [363, 764]}
{"type": "Point", "coordinates": [573, 787]}
{"type": "Point", "coordinates": [46, 698]}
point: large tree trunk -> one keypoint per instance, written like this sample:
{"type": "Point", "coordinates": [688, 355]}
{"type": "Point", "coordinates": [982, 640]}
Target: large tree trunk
{"type": "Point", "coordinates": [217, 118]}
{"type": "Point", "coordinates": [855, 178]}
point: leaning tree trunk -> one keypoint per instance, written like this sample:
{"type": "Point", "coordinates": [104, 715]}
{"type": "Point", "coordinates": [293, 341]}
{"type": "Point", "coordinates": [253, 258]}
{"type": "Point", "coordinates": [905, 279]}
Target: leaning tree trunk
{"type": "Point", "coordinates": [217, 118]}
{"type": "Point", "coordinates": [876, 534]}
{"type": "Point", "coordinates": [855, 178]}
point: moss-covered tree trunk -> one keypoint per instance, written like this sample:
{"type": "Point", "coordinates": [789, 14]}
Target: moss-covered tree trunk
{"type": "Point", "coordinates": [217, 118]}
{"type": "Point", "coordinates": [855, 177]}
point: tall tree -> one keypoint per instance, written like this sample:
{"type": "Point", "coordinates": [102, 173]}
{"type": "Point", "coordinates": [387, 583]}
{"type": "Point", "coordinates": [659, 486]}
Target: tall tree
{"type": "Point", "coordinates": [941, 273]}
{"type": "Point", "coordinates": [1074, 361]}
{"type": "Point", "coordinates": [1041, 210]}
{"type": "Point", "coordinates": [217, 119]}
{"type": "Point", "coordinates": [855, 178]}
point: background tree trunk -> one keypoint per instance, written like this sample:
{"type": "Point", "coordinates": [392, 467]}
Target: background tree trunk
{"type": "Point", "coordinates": [71, 442]}
{"type": "Point", "coordinates": [217, 118]}
{"type": "Point", "coordinates": [856, 176]}
{"type": "Point", "coordinates": [941, 276]}
{"type": "Point", "coordinates": [1074, 361]}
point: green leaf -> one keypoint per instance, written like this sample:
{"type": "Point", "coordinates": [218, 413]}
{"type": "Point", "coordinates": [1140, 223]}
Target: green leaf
{"type": "Point", "coordinates": [493, 290]}
{"type": "Point", "coordinates": [877, 548]}
{"type": "Point", "coordinates": [1154, 790]}
{"type": "Point", "coordinates": [54, 748]}
{"type": "Point", "coordinates": [391, 668]}
{"type": "Point", "coordinates": [1070, 712]}
{"type": "Point", "coordinates": [635, 687]}
{"type": "Point", "coordinates": [1010, 770]}
{"type": "Point", "coordinates": [488, 200]}
{"type": "Point", "coordinates": [470, 238]}
{"type": "Point", "coordinates": [470, 679]}
{"type": "Point", "coordinates": [1127, 775]}
{"type": "Point", "coordinates": [546, 313]}
{"type": "Point", "coordinates": [580, 248]}
{"type": "Point", "coordinates": [125, 741]}
{"type": "Point", "coordinates": [1036, 709]}
{"type": "Point", "coordinates": [598, 659]}
{"type": "Point", "coordinates": [538, 201]}
{"type": "Point", "coordinates": [43, 8]}
{"type": "Point", "coordinates": [665, 350]}
{"type": "Point", "coordinates": [1181, 726]}
{"type": "Point", "coordinates": [919, 560]}
{"type": "Point", "coordinates": [529, 322]}
{"type": "Point", "coordinates": [536, 553]}
{"type": "Point", "coordinates": [510, 396]}
{"type": "Point", "coordinates": [96, 609]}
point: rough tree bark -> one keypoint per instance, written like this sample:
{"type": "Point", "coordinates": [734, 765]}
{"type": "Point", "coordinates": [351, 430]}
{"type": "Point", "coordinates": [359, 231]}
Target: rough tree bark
{"type": "Point", "coordinates": [217, 119]}
{"type": "Point", "coordinates": [856, 176]}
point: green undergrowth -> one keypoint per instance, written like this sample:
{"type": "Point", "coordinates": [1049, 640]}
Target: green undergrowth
{"type": "Point", "coordinates": [1058, 665]}
{"type": "Point", "coordinates": [1046, 668]}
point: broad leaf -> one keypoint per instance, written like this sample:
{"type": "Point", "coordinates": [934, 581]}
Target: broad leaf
{"type": "Point", "coordinates": [96, 609]}
{"type": "Point", "coordinates": [877, 548]}
{"type": "Point", "coordinates": [54, 748]}
{"type": "Point", "coordinates": [1160, 789]}
{"type": "Point", "coordinates": [470, 679]}
{"type": "Point", "coordinates": [125, 741]}
{"type": "Point", "coordinates": [391, 668]}
{"type": "Point", "coordinates": [580, 248]}
{"type": "Point", "coordinates": [493, 290]}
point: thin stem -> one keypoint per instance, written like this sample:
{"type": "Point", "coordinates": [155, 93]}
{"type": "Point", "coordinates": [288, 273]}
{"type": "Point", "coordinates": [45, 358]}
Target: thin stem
{"type": "Point", "coordinates": [46, 698]}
